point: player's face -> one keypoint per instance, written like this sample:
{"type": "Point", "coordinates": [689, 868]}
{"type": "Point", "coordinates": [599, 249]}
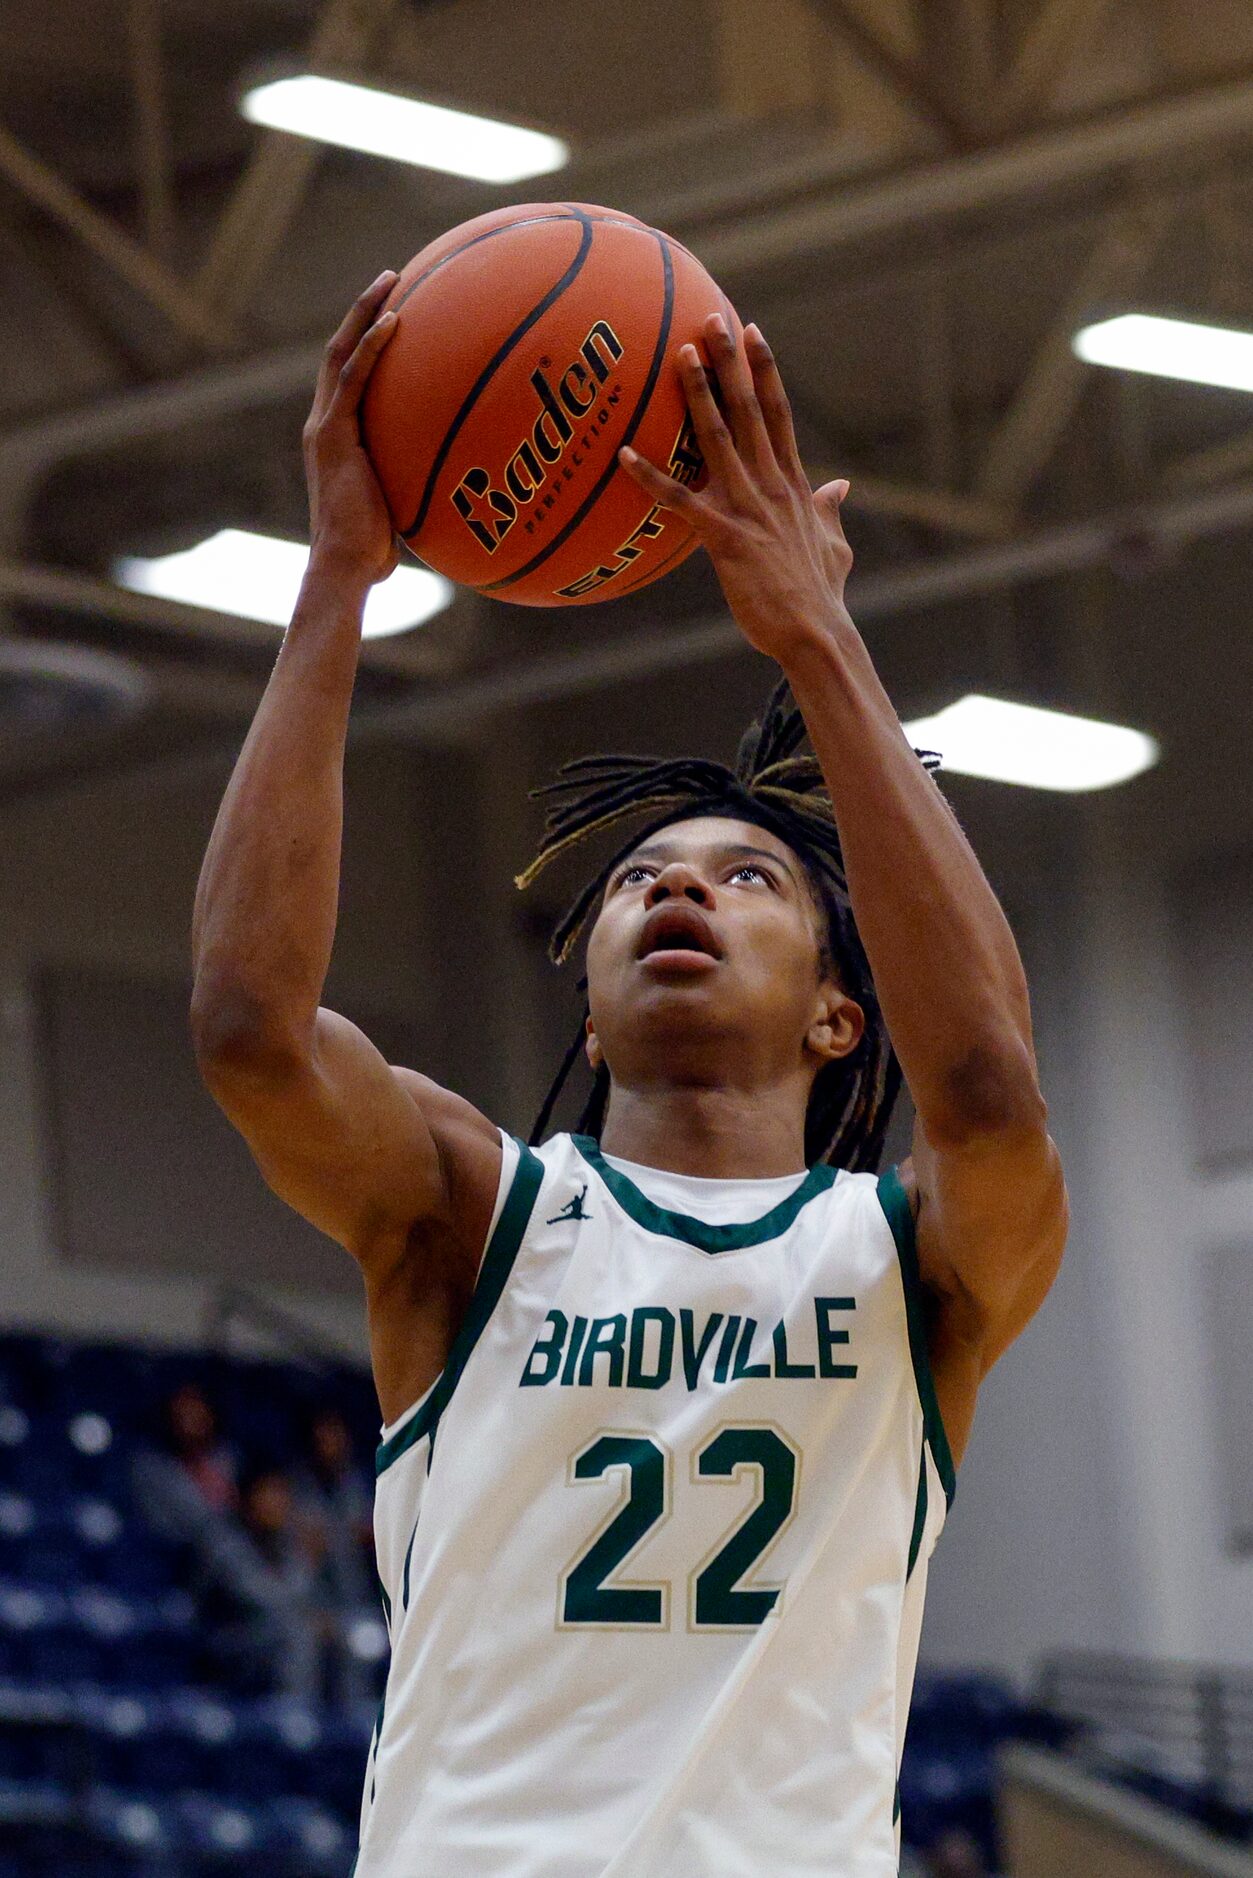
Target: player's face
{"type": "Point", "coordinates": [705, 963]}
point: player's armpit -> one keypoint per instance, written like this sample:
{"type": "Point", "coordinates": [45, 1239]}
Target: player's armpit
{"type": "Point", "coordinates": [366, 1152]}
{"type": "Point", "coordinates": [991, 1219]}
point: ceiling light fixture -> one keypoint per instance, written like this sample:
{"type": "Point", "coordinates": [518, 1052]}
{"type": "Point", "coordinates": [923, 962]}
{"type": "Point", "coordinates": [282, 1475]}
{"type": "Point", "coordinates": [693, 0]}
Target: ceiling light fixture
{"type": "Point", "coordinates": [382, 123]}
{"type": "Point", "coordinates": [1019, 743]}
{"type": "Point", "coordinates": [1142, 342]}
{"type": "Point", "coordinates": [259, 576]}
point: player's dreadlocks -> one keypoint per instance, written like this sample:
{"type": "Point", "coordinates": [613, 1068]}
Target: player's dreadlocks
{"type": "Point", "coordinates": [777, 786]}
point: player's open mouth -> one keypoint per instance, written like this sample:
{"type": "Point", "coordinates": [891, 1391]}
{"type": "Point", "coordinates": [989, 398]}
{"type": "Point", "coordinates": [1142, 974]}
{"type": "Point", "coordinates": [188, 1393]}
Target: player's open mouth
{"type": "Point", "coordinates": [679, 958]}
{"type": "Point", "coordinates": [677, 936]}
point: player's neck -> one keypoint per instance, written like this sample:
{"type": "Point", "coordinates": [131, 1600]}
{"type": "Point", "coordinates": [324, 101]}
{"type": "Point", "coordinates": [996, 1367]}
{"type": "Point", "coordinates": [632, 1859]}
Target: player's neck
{"type": "Point", "coordinates": [719, 1134]}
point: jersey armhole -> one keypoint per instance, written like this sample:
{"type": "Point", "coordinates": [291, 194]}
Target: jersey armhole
{"type": "Point", "coordinates": [896, 1208]}
{"type": "Point", "coordinates": [509, 1150]}
{"type": "Point", "coordinates": [515, 1201]}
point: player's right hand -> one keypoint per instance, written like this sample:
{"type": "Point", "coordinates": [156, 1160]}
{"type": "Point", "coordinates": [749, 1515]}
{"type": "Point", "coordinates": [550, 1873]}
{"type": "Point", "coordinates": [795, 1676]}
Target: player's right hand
{"type": "Point", "coordinates": [350, 529]}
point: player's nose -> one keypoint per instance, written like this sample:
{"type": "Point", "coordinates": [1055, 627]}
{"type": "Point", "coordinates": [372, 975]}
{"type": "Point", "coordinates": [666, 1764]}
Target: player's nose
{"type": "Point", "coordinates": [677, 880]}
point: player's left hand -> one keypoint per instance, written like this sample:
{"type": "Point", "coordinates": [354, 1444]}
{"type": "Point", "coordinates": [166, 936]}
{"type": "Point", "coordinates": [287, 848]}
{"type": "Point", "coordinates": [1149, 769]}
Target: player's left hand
{"type": "Point", "coordinates": [777, 546]}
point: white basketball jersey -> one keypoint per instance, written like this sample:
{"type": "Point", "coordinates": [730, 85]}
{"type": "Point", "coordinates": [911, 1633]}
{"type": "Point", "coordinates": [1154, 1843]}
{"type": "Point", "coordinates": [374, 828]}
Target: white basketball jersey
{"type": "Point", "coordinates": [653, 1548]}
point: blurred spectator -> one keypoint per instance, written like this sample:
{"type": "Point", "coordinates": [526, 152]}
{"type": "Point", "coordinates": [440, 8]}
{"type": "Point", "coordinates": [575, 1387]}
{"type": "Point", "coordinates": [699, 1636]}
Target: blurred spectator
{"type": "Point", "coordinates": [257, 1594]}
{"type": "Point", "coordinates": [955, 1855]}
{"type": "Point", "coordinates": [335, 1504]}
{"type": "Point", "coordinates": [273, 1627]}
{"type": "Point", "coordinates": [185, 1484]}
{"type": "Point", "coordinates": [282, 1584]}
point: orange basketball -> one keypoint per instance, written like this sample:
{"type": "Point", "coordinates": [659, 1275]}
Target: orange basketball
{"type": "Point", "coordinates": [531, 344]}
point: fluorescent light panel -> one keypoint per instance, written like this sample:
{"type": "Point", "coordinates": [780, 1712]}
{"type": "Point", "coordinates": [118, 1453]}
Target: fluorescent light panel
{"type": "Point", "coordinates": [1141, 342]}
{"type": "Point", "coordinates": [1019, 743]}
{"type": "Point", "coordinates": [384, 124]}
{"type": "Point", "coordinates": [259, 576]}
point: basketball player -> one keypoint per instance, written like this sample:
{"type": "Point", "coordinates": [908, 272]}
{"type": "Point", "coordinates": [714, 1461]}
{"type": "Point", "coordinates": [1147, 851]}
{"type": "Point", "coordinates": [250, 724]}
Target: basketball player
{"type": "Point", "coordinates": [672, 1405]}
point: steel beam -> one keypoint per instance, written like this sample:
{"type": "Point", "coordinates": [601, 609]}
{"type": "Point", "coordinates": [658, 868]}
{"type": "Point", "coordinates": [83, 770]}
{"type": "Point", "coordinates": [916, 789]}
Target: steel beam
{"type": "Point", "coordinates": [1153, 530]}
{"type": "Point", "coordinates": [1046, 400]}
{"type": "Point", "coordinates": [27, 450]}
{"type": "Point", "coordinates": [941, 509]}
{"type": "Point", "coordinates": [461, 711]}
{"type": "Point", "coordinates": [921, 194]}
{"type": "Point", "coordinates": [65, 315]}
{"type": "Point", "coordinates": [184, 308]}
{"type": "Point", "coordinates": [905, 74]}
{"type": "Point", "coordinates": [68, 592]}
{"type": "Point", "coordinates": [1057, 35]}
{"type": "Point", "coordinates": [928, 194]}
{"type": "Point", "coordinates": [1232, 457]}
{"type": "Point", "coordinates": [153, 410]}
{"type": "Point", "coordinates": [251, 229]}
{"type": "Point", "coordinates": [152, 141]}
{"type": "Point", "coordinates": [959, 40]}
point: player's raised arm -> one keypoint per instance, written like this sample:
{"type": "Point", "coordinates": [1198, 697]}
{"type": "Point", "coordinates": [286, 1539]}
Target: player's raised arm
{"type": "Point", "coordinates": [990, 1197]}
{"type": "Point", "coordinates": [361, 1149]}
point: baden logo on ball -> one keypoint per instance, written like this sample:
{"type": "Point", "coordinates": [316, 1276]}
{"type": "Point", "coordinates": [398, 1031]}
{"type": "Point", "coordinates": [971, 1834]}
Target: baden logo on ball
{"type": "Point", "coordinates": [530, 345]}
{"type": "Point", "coordinates": [525, 474]}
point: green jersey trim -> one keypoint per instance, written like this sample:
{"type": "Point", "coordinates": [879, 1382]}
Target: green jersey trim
{"type": "Point", "coordinates": [895, 1203]}
{"type": "Point", "coordinates": [920, 1512]}
{"type": "Point", "coordinates": [698, 1232]}
{"type": "Point", "coordinates": [502, 1250]}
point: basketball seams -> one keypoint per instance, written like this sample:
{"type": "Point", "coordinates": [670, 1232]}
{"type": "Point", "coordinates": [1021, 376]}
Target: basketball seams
{"type": "Point", "coordinates": [684, 547]}
{"type": "Point", "coordinates": [678, 264]}
{"type": "Point", "coordinates": [570, 213]}
{"type": "Point", "coordinates": [613, 468]}
{"type": "Point", "coordinates": [495, 362]}
{"type": "Point", "coordinates": [658, 567]}
{"type": "Point", "coordinates": [489, 234]}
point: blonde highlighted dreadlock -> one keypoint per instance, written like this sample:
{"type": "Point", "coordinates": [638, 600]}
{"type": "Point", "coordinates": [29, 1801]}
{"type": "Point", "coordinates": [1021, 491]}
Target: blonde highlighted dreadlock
{"type": "Point", "coordinates": [777, 786]}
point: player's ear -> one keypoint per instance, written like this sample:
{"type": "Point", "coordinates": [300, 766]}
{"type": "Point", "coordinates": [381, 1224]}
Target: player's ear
{"type": "Point", "coordinates": [838, 1025]}
{"type": "Point", "coordinates": [592, 1046]}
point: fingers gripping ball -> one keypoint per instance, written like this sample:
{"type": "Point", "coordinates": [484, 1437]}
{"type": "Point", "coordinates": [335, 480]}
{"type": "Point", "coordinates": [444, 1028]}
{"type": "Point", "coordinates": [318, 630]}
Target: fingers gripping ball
{"type": "Point", "coordinates": [531, 344]}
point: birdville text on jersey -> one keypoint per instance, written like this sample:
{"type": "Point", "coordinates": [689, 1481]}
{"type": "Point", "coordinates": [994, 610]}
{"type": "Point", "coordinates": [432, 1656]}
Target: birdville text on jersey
{"type": "Point", "coordinates": [637, 1351]}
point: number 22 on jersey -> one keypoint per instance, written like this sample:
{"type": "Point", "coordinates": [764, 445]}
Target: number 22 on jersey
{"type": "Point", "coordinates": [717, 1597]}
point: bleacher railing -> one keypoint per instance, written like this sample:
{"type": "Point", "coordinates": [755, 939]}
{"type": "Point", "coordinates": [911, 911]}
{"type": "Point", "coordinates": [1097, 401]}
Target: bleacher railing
{"type": "Point", "coordinates": [1184, 1727]}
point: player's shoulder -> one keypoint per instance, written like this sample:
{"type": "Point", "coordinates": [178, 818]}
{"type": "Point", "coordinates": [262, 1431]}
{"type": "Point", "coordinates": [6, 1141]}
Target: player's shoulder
{"type": "Point", "coordinates": [468, 1143]}
{"type": "Point", "coordinates": [445, 1112]}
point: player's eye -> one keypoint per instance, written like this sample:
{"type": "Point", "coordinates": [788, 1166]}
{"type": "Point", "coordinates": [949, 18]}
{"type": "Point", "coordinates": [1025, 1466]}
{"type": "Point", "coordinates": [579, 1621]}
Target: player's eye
{"type": "Point", "coordinates": [751, 867]}
{"type": "Point", "coordinates": [635, 872]}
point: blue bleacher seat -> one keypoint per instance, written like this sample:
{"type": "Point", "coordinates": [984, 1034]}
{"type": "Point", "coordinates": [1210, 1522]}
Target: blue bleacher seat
{"type": "Point", "coordinates": [59, 1542]}
{"type": "Point", "coordinates": [131, 1822]}
{"type": "Point", "coordinates": [28, 1452]}
{"type": "Point", "coordinates": [18, 1519]}
{"type": "Point", "coordinates": [193, 1743]}
{"type": "Point", "coordinates": [97, 1457]}
{"type": "Point", "coordinates": [36, 1825]}
{"type": "Point", "coordinates": [944, 1791]}
{"type": "Point", "coordinates": [37, 1732]}
{"type": "Point", "coordinates": [119, 1726]}
{"type": "Point", "coordinates": [307, 1838]}
{"type": "Point", "coordinates": [339, 1762]}
{"type": "Point", "coordinates": [225, 1831]}
{"type": "Point", "coordinates": [113, 1377]}
{"type": "Point", "coordinates": [99, 1650]}
{"type": "Point", "coordinates": [145, 1644]}
{"type": "Point", "coordinates": [40, 1639]}
{"type": "Point", "coordinates": [277, 1748]}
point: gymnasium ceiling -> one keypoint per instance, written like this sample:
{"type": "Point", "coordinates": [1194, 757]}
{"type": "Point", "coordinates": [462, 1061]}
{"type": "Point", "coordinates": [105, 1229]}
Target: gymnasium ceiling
{"type": "Point", "coordinates": [919, 200]}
